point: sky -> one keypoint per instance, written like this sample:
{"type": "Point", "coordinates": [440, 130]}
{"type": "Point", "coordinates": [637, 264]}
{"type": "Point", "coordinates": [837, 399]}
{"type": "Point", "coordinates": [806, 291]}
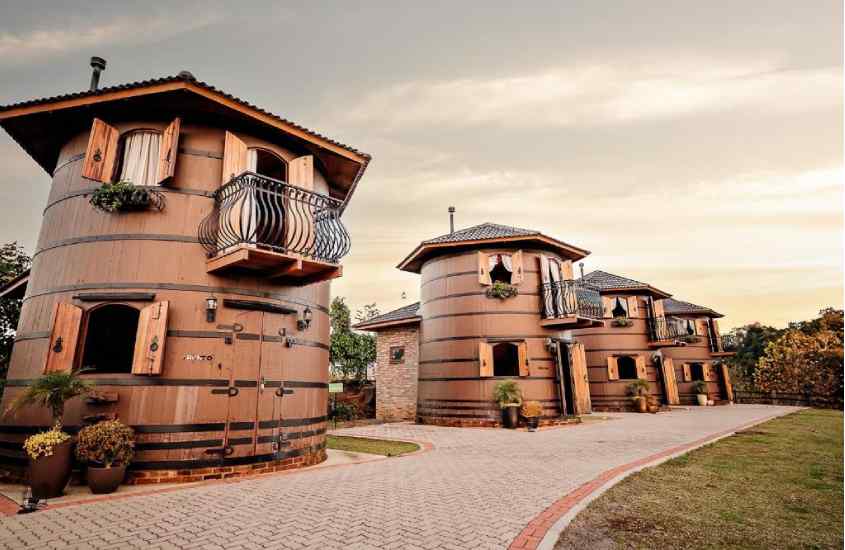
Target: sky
{"type": "Point", "coordinates": [696, 146]}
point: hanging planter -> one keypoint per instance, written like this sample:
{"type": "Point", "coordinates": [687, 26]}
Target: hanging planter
{"type": "Point", "coordinates": [502, 291]}
{"type": "Point", "coordinates": [621, 322]}
{"type": "Point", "coordinates": [124, 196]}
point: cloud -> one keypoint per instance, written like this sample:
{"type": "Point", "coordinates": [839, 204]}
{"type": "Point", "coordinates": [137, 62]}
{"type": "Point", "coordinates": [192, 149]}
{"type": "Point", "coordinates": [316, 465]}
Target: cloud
{"type": "Point", "coordinates": [600, 94]}
{"type": "Point", "coordinates": [79, 34]}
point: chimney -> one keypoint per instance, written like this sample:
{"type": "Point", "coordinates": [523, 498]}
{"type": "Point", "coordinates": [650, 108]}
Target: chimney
{"type": "Point", "coordinates": [581, 265]}
{"type": "Point", "coordinates": [99, 65]}
{"type": "Point", "coordinates": [451, 219]}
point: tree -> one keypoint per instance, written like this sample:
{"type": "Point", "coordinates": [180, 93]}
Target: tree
{"type": "Point", "coordinates": [14, 261]}
{"type": "Point", "coordinates": [751, 341]}
{"type": "Point", "coordinates": [350, 352]}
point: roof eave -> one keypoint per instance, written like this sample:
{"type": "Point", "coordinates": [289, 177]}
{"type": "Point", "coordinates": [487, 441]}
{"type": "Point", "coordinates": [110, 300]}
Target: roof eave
{"type": "Point", "coordinates": [376, 326]}
{"type": "Point", "coordinates": [647, 289]}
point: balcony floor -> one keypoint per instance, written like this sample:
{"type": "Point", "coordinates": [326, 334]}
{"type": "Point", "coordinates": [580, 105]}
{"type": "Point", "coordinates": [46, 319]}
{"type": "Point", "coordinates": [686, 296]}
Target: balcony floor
{"type": "Point", "coordinates": [573, 321]}
{"type": "Point", "coordinates": [273, 265]}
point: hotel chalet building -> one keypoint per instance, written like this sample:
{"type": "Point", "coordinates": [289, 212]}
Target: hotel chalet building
{"type": "Point", "coordinates": [202, 316]}
{"type": "Point", "coordinates": [575, 345]}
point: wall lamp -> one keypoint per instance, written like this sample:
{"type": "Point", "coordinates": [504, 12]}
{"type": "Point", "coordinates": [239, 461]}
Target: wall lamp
{"type": "Point", "coordinates": [210, 309]}
{"type": "Point", "coordinates": [305, 319]}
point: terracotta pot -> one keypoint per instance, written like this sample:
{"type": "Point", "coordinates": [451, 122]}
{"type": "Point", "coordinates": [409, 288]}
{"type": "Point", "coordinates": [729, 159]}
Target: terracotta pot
{"type": "Point", "coordinates": [532, 422]}
{"type": "Point", "coordinates": [641, 404]}
{"type": "Point", "coordinates": [102, 481]}
{"type": "Point", "coordinates": [702, 399]}
{"type": "Point", "coordinates": [510, 416]}
{"type": "Point", "coordinates": [48, 475]}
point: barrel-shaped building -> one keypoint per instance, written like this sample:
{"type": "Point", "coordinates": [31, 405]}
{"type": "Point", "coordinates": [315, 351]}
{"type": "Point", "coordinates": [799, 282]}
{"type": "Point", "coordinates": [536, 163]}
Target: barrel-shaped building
{"type": "Point", "coordinates": [196, 295]}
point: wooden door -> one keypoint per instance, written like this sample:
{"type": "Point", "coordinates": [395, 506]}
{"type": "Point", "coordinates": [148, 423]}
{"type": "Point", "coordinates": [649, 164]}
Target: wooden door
{"type": "Point", "coordinates": [582, 403]}
{"type": "Point", "coordinates": [242, 418]}
{"type": "Point", "coordinates": [670, 383]}
{"type": "Point", "coordinates": [725, 382]}
{"type": "Point", "coordinates": [271, 386]}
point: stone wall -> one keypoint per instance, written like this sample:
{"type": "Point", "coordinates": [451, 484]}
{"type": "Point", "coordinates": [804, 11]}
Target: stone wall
{"type": "Point", "coordinates": [396, 380]}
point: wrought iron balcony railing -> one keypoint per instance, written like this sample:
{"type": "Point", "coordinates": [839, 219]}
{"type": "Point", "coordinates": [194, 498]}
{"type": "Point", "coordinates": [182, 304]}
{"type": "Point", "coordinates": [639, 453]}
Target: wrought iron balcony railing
{"type": "Point", "coordinates": [264, 213]}
{"type": "Point", "coordinates": [661, 329]}
{"type": "Point", "coordinates": [569, 299]}
{"type": "Point", "coordinates": [729, 342]}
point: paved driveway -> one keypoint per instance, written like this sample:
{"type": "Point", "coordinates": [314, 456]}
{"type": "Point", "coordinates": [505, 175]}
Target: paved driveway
{"type": "Point", "coordinates": [478, 488]}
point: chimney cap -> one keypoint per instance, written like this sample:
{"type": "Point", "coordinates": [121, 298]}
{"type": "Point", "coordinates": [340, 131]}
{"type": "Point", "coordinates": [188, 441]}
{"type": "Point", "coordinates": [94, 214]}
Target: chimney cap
{"type": "Point", "coordinates": [98, 63]}
{"type": "Point", "coordinates": [186, 75]}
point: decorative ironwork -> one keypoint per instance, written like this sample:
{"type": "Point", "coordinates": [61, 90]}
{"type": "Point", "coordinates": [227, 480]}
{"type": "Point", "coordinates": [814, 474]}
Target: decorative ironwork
{"type": "Point", "coordinates": [570, 298]}
{"type": "Point", "coordinates": [729, 342]}
{"type": "Point", "coordinates": [269, 214]}
{"type": "Point", "coordinates": [661, 329]}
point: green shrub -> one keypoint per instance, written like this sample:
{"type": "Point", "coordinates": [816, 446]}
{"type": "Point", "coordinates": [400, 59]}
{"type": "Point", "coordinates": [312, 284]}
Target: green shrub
{"type": "Point", "coordinates": [700, 387]}
{"type": "Point", "coordinates": [124, 196]}
{"type": "Point", "coordinates": [507, 392]}
{"type": "Point", "coordinates": [502, 290]}
{"type": "Point", "coordinates": [106, 443]}
{"type": "Point", "coordinates": [344, 410]}
{"type": "Point", "coordinates": [638, 388]}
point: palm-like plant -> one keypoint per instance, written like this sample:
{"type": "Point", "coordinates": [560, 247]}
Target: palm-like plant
{"type": "Point", "coordinates": [52, 390]}
{"type": "Point", "coordinates": [507, 392]}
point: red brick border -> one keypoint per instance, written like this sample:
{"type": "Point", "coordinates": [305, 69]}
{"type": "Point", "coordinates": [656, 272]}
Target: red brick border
{"type": "Point", "coordinates": [532, 535]}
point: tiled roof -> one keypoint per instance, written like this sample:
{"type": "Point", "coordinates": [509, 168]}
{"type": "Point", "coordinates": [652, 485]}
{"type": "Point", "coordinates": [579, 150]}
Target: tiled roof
{"type": "Point", "coordinates": [678, 307]}
{"type": "Point", "coordinates": [408, 312]}
{"type": "Point", "coordinates": [183, 76]}
{"type": "Point", "coordinates": [602, 280]}
{"type": "Point", "coordinates": [482, 232]}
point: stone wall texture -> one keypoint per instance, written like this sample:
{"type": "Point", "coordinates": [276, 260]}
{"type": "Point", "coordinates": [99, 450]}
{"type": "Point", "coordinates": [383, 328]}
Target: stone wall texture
{"type": "Point", "coordinates": [396, 382]}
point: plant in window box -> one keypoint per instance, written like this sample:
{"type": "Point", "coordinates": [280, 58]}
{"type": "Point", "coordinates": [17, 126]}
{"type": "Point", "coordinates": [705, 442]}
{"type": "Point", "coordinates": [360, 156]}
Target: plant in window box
{"type": "Point", "coordinates": [50, 451]}
{"type": "Point", "coordinates": [699, 388]}
{"type": "Point", "coordinates": [509, 397]}
{"type": "Point", "coordinates": [621, 322]}
{"type": "Point", "coordinates": [638, 390]}
{"type": "Point", "coordinates": [689, 339]}
{"type": "Point", "coordinates": [502, 290]}
{"type": "Point", "coordinates": [532, 411]}
{"type": "Point", "coordinates": [107, 447]}
{"type": "Point", "coordinates": [124, 196]}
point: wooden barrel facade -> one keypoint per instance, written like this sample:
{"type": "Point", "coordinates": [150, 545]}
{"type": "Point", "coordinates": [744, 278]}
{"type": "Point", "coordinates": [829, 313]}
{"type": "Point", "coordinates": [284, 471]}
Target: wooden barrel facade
{"type": "Point", "coordinates": [248, 390]}
{"type": "Point", "coordinates": [698, 352]}
{"type": "Point", "coordinates": [607, 391]}
{"type": "Point", "coordinates": [457, 316]}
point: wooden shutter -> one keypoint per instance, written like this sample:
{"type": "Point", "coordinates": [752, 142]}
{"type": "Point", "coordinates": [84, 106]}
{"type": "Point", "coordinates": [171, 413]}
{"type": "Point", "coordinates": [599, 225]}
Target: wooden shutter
{"type": "Point", "coordinates": [641, 368]}
{"type": "Point", "coordinates": [717, 336]}
{"type": "Point", "coordinates": [518, 275]}
{"type": "Point", "coordinates": [608, 303]}
{"type": "Point", "coordinates": [64, 337]}
{"type": "Point", "coordinates": [150, 339]}
{"type": "Point", "coordinates": [701, 327]}
{"type": "Point", "coordinates": [658, 308]}
{"type": "Point", "coordinates": [522, 349]}
{"type": "Point", "coordinates": [687, 373]}
{"type": "Point", "coordinates": [544, 269]}
{"type": "Point", "coordinates": [580, 379]}
{"type": "Point", "coordinates": [101, 153]}
{"type": "Point", "coordinates": [483, 270]}
{"type": "Point", "coordinates": [726, 378]}
{"type": "Point", "coordinates": [234, 157]}
{"type": "Point", "coordinates": [566, 270]}
{"type": "Point", "coordinates": [707, 372]}
{"type": "Point", "coordinates": [633, 307]}
{"type": "Point", "coordinates": [301, 172]}
{"type": "Point", "coordinates": [168, 151]}
{"type": "Point", "coordinates": [612, 368]}
{"type": "Point", "coordinates": [670, 382]}
{"type": "Point", "coordinates": [485, 359]}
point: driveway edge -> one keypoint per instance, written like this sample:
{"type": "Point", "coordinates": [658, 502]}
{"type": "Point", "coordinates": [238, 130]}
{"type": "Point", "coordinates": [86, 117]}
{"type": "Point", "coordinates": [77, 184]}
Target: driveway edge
{"type": "Point", "coordinates": [543, 531]}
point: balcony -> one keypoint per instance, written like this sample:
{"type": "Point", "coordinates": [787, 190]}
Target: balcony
{"type": "Point", "coordinates": [721, 346]}
{"type": "Point", "coordinates": [266, 226]}
{"type": "Point", "coordinates": [571, 305]}
{"type": "Point", "coordinates": [663, 332]}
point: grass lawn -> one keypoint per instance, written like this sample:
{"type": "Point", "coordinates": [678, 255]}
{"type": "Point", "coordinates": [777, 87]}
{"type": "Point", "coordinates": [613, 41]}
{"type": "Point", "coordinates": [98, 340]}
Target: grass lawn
{"type": "Point", "coordinates": [372, 446]}
{"type": "Point", "coordinates": [776, 485]}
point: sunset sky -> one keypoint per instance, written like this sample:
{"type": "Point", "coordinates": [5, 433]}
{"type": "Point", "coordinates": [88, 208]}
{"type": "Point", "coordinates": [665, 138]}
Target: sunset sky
{"type": "Point", "coordinates": [696, 146]}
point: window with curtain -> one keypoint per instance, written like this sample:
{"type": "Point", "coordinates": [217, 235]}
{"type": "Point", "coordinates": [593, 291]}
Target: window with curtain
{"type": "Point", "coordinates": [501, 268]}
{"type": "Point", "coordinates": [139, 157]}
{"type": "Point", "coordinates": [620, 308]}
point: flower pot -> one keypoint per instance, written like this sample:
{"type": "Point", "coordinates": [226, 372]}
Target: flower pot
{"type": "Point", "coordinates": [48, 475]}
{"type": "Point", "coordinates": [510, 416]}
{"type": "Point", "coordinates": [532, 422]}
{"type": "Point", "coordinates": [641, 404]}
{"type": "Point", "coordinates": [102, 481]}
{"type": "Point", "coordinates": [702, 399]}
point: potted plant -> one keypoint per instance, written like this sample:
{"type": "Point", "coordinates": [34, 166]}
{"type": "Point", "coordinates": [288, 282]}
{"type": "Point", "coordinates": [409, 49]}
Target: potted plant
{"type": "Point", "coordinates": [689, 339]}
{"type": "Point", "coordinates": [532, 411]}
{"type": "Point", "coordinates": [509, 397]}
{"type": "Point", "coordinates": [124, 196]}
{"type": "Point", "coordinates": [107, 447]}
{"type": "Point", "coordinates": [700, 390]}
{"type": "Point", "coordinates": [502, 290]}
{"type": "Point", "coordinates": [638, 389]}
{"type": "Point", "coordinates": [50, 452]}
{"type": "Point", "coordinates": [621, 322]}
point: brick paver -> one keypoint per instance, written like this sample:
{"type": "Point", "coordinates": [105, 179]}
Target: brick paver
{"type": "Point", "coordinates": [478, 488]}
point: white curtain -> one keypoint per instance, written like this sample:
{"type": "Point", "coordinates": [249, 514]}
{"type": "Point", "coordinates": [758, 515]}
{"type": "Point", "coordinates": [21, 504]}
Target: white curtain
{"type": "Point", "coordinates": [252, 160]}
{"type": "Point", "coordinates": [506, 261]}
{"type": "Point", "coordinates": [492, 260]}
{"type": "Point", "coordinates": [140, 158]}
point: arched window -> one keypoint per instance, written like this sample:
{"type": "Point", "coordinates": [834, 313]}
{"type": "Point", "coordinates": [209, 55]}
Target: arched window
{"type": "Point", "coordinates": [627, 367]}
{"type": "Point", "coordinates": [139, 157]}
{"type": "Point", "coordinates": [110, 338]}
{"type": "Point", "coordinates": [696, 371]}
{"type": "Point", "coordinates": [620, 308]}
{"type": "Point", "coordinates": [266, 163]}
{"type": "Point", "coordinates": [501, 268]}
{"type": "Point", "coordinates": [505, 359]}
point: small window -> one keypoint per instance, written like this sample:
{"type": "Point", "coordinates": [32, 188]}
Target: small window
{"type": "Point", "coordinates": [627, 367]}
{"type": "Point", "coordinates": [110, 339]}
{"type": "Point", "coordinates": [139, 157]}
{"type": "Point", "coordinates": [501, 268]}
{"type": "Point", "coordinates": [506, 359]}
{"type": "Point", "coordinates": [397, 354]}
{"type": "Point", "coordinates": [697, 371]}
{"type": "Point", "coordinates": [620, 307]}
{"type": "Point", "coordinates": [265, 163]}
{"type": "Point", "coordinates": [690, 327]}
